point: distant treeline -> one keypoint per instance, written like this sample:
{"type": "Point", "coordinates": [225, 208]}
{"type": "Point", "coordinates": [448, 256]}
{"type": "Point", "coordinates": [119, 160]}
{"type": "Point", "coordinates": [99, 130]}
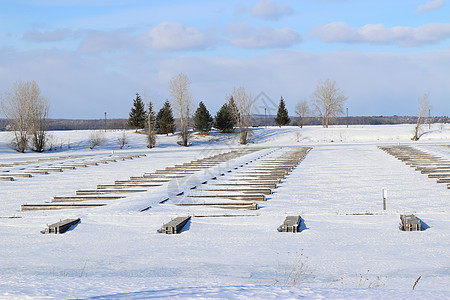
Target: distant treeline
{"type": "Point", "coordinates": [120, 124]}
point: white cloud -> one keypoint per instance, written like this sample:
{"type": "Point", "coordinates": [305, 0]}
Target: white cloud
{"type": "Point", "coordinates": [268, 9]}
{"type": "Point", "coordinates": [431, 5]}
{"type": "Point", "coordinates": [107, 41]}
{"type": "Point", "coordinates": [339, 32]}
{"type": "Point", "coordinates": [85, 86]}
{"type": "Point", "coordinates": [173, 36]}
{"type": "Point", "coordinates": [248, 37]}
{"type": "Point", "coordinates": [58, 35]}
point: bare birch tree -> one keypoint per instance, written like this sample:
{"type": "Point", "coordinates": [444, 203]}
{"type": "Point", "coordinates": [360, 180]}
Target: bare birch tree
{"type": "Point", "coordinates": [151, 124]}
{"type": "Point", "coordinates": [241, 105]}
{"type": "Point", "coordinates": [302, 110]}
{"type": "Point", "coordinates": [424, 106]}
{"type": "Point", "coordinates": [328, 100]}
{"type": "Point", "coordinates": [39, 120]}
{"type": "Point", "coordinates": [181, 94]}
{"type": "Point", "coordinates": [27, 112]}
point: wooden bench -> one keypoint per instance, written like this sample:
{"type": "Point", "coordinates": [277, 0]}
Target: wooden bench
{"type": "Point", "coordinates": [175, 226]}
{"type": "Point", "coordinates": [61, 226]}
{"type": "Point", "coordinates": [291, 224]}
{"type": "Point", "coordinates": [410, 223]}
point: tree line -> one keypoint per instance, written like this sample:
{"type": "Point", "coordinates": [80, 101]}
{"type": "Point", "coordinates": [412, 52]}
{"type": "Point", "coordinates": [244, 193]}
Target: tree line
{"type": "Point", "coordinates": [26, 112]}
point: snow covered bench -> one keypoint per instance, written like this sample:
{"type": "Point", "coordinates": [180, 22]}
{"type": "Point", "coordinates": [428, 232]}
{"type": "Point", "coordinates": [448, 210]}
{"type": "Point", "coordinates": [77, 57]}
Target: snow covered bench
{"type": "Point", "coordinates": [410, 223]}
{"type": "Point", "coordinates": [61, 226]}
{"type": "Point", "coordinates": [290, 224]}
{"type": "Point", "coordinates": [175, 226]}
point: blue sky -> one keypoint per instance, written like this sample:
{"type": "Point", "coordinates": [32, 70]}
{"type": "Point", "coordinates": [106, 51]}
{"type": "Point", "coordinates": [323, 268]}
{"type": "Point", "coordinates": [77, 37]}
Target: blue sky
{"type": "Point", "coordinates": [92, 56]}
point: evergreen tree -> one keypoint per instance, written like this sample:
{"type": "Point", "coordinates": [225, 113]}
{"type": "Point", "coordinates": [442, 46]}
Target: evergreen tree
{"type": "Point", "coordinates": [282, 114]}
{"type": "Point", "coordinates": [202, 119]}
{"type": "Point", "coordinates": [138, 115]}
{"type": "Point", "coordinates": [165, 120]}
{"type": "Point", "coordinates": [234, 110]}
{"type": "Point", "coordinates": [224, 120]}
{"type": "Point", "coordinates": [151, 124]}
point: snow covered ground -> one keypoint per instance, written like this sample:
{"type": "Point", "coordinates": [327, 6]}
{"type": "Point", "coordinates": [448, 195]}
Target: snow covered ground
{"type": "Point", "coordinates": [349, 246]}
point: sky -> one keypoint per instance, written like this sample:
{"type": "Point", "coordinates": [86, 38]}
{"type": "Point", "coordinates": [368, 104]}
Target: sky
{"type": "Point", "coordinates": [92, 56]}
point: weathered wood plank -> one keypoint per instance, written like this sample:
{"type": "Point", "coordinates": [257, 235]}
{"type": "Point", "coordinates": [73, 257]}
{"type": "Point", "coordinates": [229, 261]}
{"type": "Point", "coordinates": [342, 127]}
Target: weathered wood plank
{"type": "Point", "coordinates": [84, 198]}
{"type": "Point", "coordinates": [29, 207]}
{"type": "Point", "coordinates": [246, 197]}
{"type": "Point", "coordinates": [126, 185]}
{"type": "Point", "coordinates": [104, 191]}
{"type": "Point", "coordinates": [249, 206]}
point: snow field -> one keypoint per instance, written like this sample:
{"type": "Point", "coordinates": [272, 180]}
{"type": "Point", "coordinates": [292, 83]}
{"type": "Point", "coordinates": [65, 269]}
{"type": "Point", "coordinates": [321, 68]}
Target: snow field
{"type": "Point", "coordinates": [115, 252]}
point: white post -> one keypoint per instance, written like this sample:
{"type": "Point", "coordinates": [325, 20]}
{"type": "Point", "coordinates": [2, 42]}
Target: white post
{"type": "Point", "coordinates": [384, 194]}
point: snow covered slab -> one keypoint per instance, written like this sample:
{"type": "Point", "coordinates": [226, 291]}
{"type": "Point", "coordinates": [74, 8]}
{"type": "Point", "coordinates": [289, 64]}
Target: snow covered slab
{"type": "Point", "coordinates": [348, 248]}
{"type": "Point", "coordinates": [61, 226]}
{"type": "Point", "coordinates": [28, 207]}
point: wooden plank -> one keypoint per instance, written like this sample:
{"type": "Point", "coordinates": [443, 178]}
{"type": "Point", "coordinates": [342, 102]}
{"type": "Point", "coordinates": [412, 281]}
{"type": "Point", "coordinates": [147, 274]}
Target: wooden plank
{"type": "Point", "coordinates": [246, 197]}
{"type": "Point", "coordinates": [142, 179]}
{"type": "Point", "coordinates": [61, 226]}
{"type": "Point", "coordinates": [264, 191]}
{"type": "Point", "coordinates": [443, 180]}
{"type": "Point", "coordinates": [247, 184]}
{"type": "Point", "coordinates": [6, 178]}
{"type": "Point", "coordinates": [126, 185]}
{"type": "Point", "coordinates": [25, 175]}
{"type": "Point", "coordinates": [84, 198]}
{"type": "Point", "coordinates": [249, 206]}
{"type": "Point", "coordinates": [104, 191]}
{"type": "Point", "coordinates": [37, 171]}
{"type": "Point", "coordinates": [29, 207]}
{"type": "Point", "coordinates": [442, 175]}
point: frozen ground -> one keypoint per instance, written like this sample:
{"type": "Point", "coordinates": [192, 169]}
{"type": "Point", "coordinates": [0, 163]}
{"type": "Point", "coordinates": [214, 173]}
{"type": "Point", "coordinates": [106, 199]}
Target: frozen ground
{"type": "Point", "coordinates": [349, 246]}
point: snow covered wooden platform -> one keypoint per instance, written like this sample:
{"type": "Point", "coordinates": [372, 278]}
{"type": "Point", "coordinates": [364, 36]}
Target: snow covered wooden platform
{"type": "Point", "coordinates": [291, 224]}
{"type": "Point", "coordinates": [28, 207]}
{"type": "Point", "coordinates": [175, 226]}
{"type": "Point", "coordinates": [61, 226]}
{"type": "Point", "coordinates": [84, 198]}
{"type": "Point", "coordinates": [225, 205]}
{"type": "Point", "coordinates": [410, 223]}
{"type": "Point", "coordinates": [108, 191]}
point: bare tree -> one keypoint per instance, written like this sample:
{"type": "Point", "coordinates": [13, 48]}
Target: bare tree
{"type": "Point", "coordinates": [122, 140]}
{"type": "Point", "coordinates": [151, 124]}
{"type": "Point", "coordinates": [424, 106]}
{"type": "Point", "coordinates": [241, 105]}
{"type": "Point", "coordinates": [328, 101]}
{"type": "Point", "coordinates": [39, 120]}
{"type": "Point", "coordinates": [181, 94]}
{"type": "Point", "coordinates": [27, 112]}
{"type": "Point", "coordinates": [96, 138]}
{"type": "Point", "coordinates": [302, 110]}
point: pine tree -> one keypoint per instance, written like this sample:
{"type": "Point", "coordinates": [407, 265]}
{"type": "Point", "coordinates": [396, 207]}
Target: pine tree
{"type": "Point", "coordinates": [224, 120]}
{"type": "Point", "coordinates": [203, 120]}
{"type": "Point", "coordinates": [151, 124]}
{"type": "Point", "coordinates": [165, 120]}
{"type": "Point", "coordinates": [138, 115]}
{"type": "Point", "coordinates": [282, 114]}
